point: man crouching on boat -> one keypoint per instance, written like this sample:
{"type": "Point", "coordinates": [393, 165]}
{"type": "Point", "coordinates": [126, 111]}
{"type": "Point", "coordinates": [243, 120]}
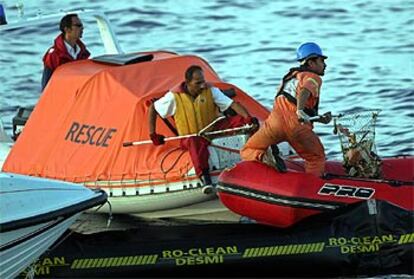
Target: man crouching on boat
{"type": "Point", "coordinates": [193, 106]}
{"type": "Point", "coordinates": [296, 101]}
{"type": "Point", "coordinates": [67, 47]}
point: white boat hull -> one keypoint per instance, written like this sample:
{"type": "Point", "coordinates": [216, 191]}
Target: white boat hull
{"type": "Point", "coordinates": [153, 202]}
{"type": "Point", "coordinates": [21, 247]}
{"type": "Point", "coordinates": [142, 198]}
{"type": "Point", "coordinates": [34, 213]}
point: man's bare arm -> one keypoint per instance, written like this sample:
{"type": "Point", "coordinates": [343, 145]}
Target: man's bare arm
{"type": "Point", "coordinates": [239, 109]}
{"type": "Point", "coordinates": [152, 118]}
{"type": "Point", "coordinates": [303, 97]}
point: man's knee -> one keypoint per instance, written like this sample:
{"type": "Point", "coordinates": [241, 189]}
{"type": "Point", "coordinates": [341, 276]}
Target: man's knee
{"type": "Point", "coordinates": [250, 154]}
{"type": "Point", "coordinates": [315, 163]}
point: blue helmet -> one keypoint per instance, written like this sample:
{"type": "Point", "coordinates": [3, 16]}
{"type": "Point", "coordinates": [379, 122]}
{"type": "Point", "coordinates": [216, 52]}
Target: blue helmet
{"type": "Point", "coordinates": [307, 50]}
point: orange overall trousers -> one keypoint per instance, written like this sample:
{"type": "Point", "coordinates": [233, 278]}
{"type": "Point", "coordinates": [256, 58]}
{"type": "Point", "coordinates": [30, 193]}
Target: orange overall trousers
{"type": "Point", "coordinates": [283, 125]}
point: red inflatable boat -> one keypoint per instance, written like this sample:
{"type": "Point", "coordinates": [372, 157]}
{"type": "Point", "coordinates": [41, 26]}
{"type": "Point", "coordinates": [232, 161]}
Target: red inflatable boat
{"type": "Point", "coordinates": [267, 196]}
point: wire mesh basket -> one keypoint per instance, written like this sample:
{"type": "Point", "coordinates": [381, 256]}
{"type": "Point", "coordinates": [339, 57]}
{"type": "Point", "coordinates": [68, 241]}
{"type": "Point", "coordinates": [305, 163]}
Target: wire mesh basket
{"type": "Point", "coordinates": [356, 132]}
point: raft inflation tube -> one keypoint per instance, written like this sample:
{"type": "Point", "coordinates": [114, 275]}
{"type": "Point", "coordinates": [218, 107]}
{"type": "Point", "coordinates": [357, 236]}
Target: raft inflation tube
{"type": "Point", "coordinates": [366, 238]}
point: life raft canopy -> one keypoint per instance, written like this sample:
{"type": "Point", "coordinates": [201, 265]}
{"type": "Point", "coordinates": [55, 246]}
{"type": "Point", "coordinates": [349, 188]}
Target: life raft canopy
{"type": "Point", "coordinates": [89, 109]}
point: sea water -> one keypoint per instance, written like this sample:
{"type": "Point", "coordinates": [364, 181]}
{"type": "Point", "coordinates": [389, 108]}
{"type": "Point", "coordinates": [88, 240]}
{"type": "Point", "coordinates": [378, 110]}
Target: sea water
{"type": "Point", "coordinates": [250, 43]}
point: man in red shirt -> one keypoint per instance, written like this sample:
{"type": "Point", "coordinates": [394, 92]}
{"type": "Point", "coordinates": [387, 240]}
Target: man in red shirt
{"type": "Point", "coordinates": [67, 47]}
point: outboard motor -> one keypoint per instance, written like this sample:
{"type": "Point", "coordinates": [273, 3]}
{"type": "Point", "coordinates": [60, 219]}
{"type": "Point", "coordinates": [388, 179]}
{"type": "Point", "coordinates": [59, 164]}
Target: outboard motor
{"type": "Point", "coordinates": [23, 113]}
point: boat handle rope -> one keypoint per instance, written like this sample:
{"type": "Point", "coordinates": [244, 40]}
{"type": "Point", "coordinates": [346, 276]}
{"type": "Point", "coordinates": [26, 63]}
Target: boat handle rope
{"type": "Point", "coordinates": [394, 183]}
{"type": "Point", "coordinates": [174, 163]}
{"type": "Point", "coordinates": [232, 150]}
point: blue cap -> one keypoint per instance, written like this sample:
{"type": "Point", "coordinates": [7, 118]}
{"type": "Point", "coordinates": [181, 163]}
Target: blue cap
{"type": "Point", "coordinates": [308, 50]}
{"type": "Point", "coordinates": [2, 15]}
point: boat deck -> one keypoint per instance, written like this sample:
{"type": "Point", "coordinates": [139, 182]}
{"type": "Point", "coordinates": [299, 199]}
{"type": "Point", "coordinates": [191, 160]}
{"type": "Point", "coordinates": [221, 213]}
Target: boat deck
{"type": "Point", "coordinates": [209, 212]}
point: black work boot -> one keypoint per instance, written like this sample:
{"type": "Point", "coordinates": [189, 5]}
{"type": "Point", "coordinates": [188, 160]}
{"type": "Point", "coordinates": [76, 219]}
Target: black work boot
{"type": "Point", "coordinates": [280, 164]}
{"type": "Point", "coordinates": [208, 187]}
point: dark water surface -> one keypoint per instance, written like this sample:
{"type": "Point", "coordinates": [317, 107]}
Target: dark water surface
{"type": "Point", "coordinates": [252, 44]}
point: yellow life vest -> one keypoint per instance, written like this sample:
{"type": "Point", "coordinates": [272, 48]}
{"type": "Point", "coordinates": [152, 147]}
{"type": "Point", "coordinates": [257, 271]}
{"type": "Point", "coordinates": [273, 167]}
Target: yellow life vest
{"type": "Point", "coordinates": [193, 114]}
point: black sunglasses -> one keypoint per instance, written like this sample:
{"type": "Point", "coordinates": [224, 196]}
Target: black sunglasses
{"type": "Point", "coordinates": [80, 25]}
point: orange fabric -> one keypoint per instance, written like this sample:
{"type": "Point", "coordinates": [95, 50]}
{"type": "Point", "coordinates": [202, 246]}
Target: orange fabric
{"type": "Point", "coordinates": [90, 109]}
{"type": "Point", "coordinates": [283, 125]}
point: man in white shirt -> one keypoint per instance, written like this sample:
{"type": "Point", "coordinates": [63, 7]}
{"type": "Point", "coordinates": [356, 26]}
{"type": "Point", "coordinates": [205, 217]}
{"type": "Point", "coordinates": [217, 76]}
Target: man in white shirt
{"type": "Point", "coordinates": [194, 105]}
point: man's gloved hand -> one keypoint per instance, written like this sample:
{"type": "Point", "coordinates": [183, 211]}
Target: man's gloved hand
{"type": "Point", "coordinates": [254, 121]}
{"type": "Point", "coordinates": [251, 120]}
{"type": "Point", "coordinates": [157, 139]}
{"type": "Point", "coordinates": [302, 116]}
{"type": "Point", "coordinates": [326, 117]}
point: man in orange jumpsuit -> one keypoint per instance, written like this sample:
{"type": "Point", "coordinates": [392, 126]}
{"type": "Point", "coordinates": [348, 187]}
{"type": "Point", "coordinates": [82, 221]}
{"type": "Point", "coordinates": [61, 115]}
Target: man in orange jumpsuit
{"type": "Point", "coordinates": [296, 101]}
